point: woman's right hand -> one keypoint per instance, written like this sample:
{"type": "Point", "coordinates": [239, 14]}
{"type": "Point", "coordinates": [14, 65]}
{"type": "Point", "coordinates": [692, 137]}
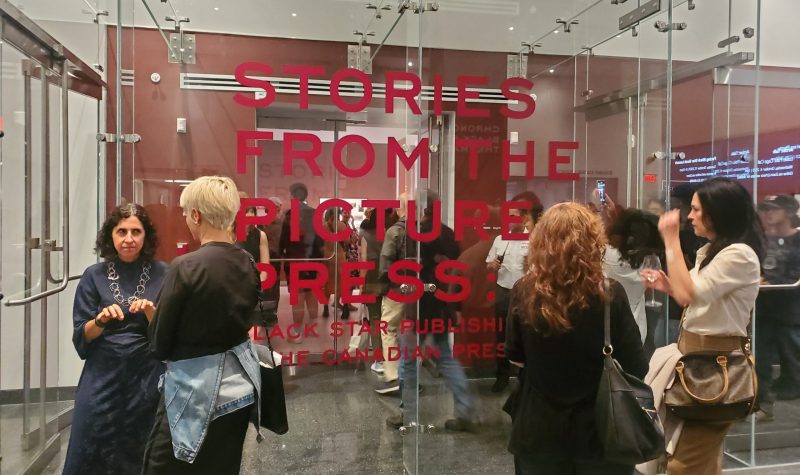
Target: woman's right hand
{"type": "Point", "coordinates": [656, 279]}
{"type": "Point", "coordinates": [112, 312]}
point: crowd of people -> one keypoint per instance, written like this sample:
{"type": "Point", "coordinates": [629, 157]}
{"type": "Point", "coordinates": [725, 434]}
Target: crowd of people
{"type": "Point", "coordinates": [172, 377]}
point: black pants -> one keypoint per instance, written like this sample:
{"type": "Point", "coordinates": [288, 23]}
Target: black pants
{"type": "Point", "coordinates": [220, 454]}
{"type": "Point", "coordinates": [501, 302]}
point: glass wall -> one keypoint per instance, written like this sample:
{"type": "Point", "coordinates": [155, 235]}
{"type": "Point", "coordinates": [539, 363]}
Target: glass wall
{"type": "Point", "coordinates": [48, 219]}
{"type": "Point", "coordinates": [466, 104]}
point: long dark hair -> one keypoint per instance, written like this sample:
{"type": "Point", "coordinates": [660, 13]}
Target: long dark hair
{"type": "Point", "coordinates": [104, 245]}
{"type": "Point", "coordinates": [634, 234]}
{"type": "Point", "coordinates": [728, 210]}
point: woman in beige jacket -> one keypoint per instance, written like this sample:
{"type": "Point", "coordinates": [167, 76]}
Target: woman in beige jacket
{"type": "Point", "coordinates": [719, 294]}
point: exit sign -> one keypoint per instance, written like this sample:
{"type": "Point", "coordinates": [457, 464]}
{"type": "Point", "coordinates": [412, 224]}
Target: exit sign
{"type": "Point", "coordinates": [650, 178]}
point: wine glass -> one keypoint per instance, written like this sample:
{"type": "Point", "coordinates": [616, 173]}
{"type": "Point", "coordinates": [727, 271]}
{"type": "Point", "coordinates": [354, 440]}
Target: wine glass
{"type": "Point", "coordinates": [653, 264]}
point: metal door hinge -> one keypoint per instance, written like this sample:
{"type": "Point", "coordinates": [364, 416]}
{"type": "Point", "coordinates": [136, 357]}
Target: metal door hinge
{"type": "Point", "coordinates": [183, 48]}
{"type": "Point", "coordinates": [359, 57]}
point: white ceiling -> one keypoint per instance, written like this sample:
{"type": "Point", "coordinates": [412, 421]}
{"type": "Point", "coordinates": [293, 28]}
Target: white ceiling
{"type": "Point", "coordinates": [483, 25]}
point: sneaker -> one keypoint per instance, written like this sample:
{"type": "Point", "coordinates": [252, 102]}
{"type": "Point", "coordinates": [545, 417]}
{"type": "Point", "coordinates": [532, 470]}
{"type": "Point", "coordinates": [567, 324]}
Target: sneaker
{"type": "Point", "coordinates": [388, 388]}
{"type": "Point", "coordinates": [395, 421]}
{"type": "Point", "coordinates": [377, 367]}
{"type": "Point", "coordinates": [460, 425]}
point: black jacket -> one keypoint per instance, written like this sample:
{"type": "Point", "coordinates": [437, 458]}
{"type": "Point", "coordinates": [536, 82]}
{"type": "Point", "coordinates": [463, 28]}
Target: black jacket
{"type": "Point", "coordinates": [553, 414]}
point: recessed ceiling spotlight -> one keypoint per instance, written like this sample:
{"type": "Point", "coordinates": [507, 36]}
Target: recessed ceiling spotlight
{"type": "Point", "coordinates": [619, 36]}
{"type": "Point", "coordinates": [216, 9]}
{"type": "Point", "coordinates": [555, 32]}
{"type": "Point", "coordinates": [552, 71]}
{"type": "Point", "coordinates": [510, 28]}
{"type": "Point", "coordinates": [410, 63]}
{"type": "Point", "coordinates": [294, 14]}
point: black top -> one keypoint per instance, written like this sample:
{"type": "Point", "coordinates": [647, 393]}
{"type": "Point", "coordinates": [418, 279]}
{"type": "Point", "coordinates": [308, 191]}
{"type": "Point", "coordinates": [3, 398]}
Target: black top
{"type": "Point", "coordinates": [432, 253]}
{"type": "Point", "coordinates": [553, 417]}
{"type": "Point", "coordinates": [252, 243]}
{"type": "Point", "coordinates": [309, 245]}
{"type": "Point", "coordinates": [205, 304]}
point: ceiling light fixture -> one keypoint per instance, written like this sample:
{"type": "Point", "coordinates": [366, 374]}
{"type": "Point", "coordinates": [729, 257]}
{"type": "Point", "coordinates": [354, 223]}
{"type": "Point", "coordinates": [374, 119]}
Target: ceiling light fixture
{"type": "Point", "coordinates": [510, 28]}
{"type": "Point", "coordinates": [294, 14]}
{"type": "Point", "coordinates": [216, 9]}
{"type": "Point", "coordinates": [552, 71]}
{"type": "Point", "coordinates": [555, 32]}
{"type": "Point", "coordinates": [410, 63]}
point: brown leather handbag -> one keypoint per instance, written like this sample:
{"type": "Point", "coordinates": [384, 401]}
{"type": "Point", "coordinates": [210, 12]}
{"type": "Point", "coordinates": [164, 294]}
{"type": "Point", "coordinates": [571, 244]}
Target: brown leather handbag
{"type": "Point", "coordinates": [714, 386]}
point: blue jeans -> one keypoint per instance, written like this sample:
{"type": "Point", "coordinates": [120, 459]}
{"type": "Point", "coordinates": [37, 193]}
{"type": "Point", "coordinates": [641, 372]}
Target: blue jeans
{"type": "Point", "coordinates": [451, 370]}
{"type": "Point", "coordinates": [776, 343]}
{"type": "Point", "coordinates": [571, 467]}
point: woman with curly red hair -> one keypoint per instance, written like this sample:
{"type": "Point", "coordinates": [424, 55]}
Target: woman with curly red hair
{"type": "Point", "coordinates": [555, 333]}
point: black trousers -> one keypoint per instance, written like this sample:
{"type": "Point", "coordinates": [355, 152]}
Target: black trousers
{"type": "Point", "coordinates": [501, 303]}
{"type": "Point", "coordinates": [220, 454]}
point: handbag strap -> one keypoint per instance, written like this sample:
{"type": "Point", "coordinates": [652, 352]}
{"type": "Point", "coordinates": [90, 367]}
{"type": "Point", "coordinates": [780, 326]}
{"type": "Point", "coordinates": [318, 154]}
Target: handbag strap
{"type": "Point", "coordinates": [260, 303]}
{"type": "Point", "coordinates": [608, 349]}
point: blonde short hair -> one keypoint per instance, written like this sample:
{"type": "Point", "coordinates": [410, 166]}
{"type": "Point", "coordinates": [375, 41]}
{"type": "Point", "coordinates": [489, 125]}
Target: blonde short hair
{"type": "Point", "coordinates": [216, 197]}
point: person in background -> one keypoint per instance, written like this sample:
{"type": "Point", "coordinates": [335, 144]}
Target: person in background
{"type": "Point", "coordinates": [656, 206]}
{"type": "Point", "coordinates": [632, 235]}
{"type": "Point", "coordinates": [778, 311]}
{"type": "Point", "coordinates": [719, 294]}
{"type": "Point", "coordinates": [256, 242]}
{"type": "Point", "coordinates": [200, 327]}
{"type": "Point", "coordinates": [395, 248]}
{"type": "Point", "coordinates": [370, 251]}
{"type": "Point", "coordinates": [352, 247]}
{"type": "Point", "coordinates": [432, 253]}
{"type": "Point", "coordinates": [308, 246]}
{"type": "Point", "coordinates": [335, 251]}
{"type": "Point", "coordinates": [555, 332]}
{"type": "Point", "coordinates": [273, 231]}
{"type": "Point", "coordinates": [117, 394]}
{"type": "Point", "coordinates": [508, 260]}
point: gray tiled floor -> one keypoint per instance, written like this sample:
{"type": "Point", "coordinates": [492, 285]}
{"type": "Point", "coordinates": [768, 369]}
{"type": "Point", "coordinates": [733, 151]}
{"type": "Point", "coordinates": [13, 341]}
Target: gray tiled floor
{"type": "Point", "coordinates": [337, 427]}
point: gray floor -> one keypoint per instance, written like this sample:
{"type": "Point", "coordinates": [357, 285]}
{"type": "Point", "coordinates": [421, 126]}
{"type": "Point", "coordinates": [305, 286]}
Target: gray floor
{"type": "Point", "coordinates": [337, 427]}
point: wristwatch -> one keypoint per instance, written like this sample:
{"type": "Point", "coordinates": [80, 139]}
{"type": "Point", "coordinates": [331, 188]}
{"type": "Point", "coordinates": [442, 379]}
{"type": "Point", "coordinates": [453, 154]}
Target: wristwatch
{"type": "Point", "coordinates": [99, 323]}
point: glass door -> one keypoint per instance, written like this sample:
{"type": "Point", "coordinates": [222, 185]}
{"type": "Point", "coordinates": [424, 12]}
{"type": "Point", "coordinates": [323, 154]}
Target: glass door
{"type": "Point", "coordinates": [49, 103]}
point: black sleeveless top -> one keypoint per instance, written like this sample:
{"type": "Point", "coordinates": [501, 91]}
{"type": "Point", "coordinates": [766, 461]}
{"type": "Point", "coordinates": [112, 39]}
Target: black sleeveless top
{"type": "Point", "coordinates": [252, 243]}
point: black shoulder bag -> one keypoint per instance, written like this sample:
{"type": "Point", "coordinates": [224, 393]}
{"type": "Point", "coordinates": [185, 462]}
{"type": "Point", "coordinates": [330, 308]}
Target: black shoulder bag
{"type": "Point", "coordinates": [273, 399]}
{"type": "Point", "coordinates": [627, 422]}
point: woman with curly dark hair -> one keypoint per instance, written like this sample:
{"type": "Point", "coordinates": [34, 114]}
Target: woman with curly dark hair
{"type": "Point", "coordinates": [632, 235]}
{"type": "Point", "coordinates": [117, 394]}
{"type": "Point", "coordinates": [555, 333]}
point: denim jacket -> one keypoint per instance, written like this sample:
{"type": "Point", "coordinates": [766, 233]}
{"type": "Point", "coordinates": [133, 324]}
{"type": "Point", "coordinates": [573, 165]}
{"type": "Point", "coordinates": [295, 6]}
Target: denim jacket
{"type": "Point", "coordinates": [191, 387]}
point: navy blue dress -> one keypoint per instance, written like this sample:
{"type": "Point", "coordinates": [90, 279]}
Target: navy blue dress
{"type": "Point", "coordinates": [117, 394]}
